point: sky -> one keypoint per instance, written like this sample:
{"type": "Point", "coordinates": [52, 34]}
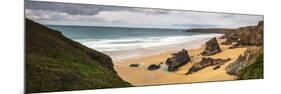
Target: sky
{"type": "Point", "coordinates": [51, 13]}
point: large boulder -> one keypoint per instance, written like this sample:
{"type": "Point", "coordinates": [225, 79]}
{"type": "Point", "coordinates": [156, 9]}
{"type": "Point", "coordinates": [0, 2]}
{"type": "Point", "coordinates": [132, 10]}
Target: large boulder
{"type": "Point", "coordinates": [177, 60]}
{"type": "Point", "coordinates": [244, 60]}
{"type": "Point", "coordinates": [205, 62]}
{"type": "Point", "coordinates": [212, 47]}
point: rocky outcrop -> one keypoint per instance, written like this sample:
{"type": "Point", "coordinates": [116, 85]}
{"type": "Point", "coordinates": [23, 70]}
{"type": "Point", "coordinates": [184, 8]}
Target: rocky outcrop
{"type": "Point", "coordinates": [205, 62]}
{"type": "Point", "coordinates": [243, 36]}
{"type": "Point", "coordinates": [252, 35]}
{"type": "Point", "coordinates": [246, 36]}
{"type": "Point", "coordinates": [212, 47]}
{"type": "Point", "coordinates": [244, 60]}
{"type": "Point", "coordinates": [153, 67]}
{"type": "Point", "coordinates": [134, 65]}
{"type": "Point", "coordinates": [231, 37]}
{"type": "Point", "coordinates": [177, 60]}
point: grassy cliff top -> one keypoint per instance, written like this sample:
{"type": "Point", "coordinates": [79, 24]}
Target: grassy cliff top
{"type": "Point", "coordinates": [56, 63]}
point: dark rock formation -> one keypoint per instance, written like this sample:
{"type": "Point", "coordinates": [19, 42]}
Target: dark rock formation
{"type": "Point", "coordinates": [243, 61]}
{"type": "Point", "coordinates": [212, 47]}
{"type": "Point", "coordinates": [153, 67]}
{"type": "Point", "coordinates": [134, 65]}
{"type": "Point", "coordinates": [179, 59]}
{"type": "Point", "coordinates": [205, 62]}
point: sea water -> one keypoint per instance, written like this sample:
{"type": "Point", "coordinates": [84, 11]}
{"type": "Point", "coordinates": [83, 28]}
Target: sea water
{"type": "Point", "coordinates": [122, 43]}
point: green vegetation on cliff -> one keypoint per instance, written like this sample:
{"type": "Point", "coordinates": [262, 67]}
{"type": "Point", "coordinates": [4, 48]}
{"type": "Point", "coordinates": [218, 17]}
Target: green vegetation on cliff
{"type": "Point", "coordinates": [253, 71]}
{"type": "Point", "coordinates": [56, 63]}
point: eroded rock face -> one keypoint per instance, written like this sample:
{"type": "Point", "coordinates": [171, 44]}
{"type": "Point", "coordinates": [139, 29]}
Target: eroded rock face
{"type": "Point", "coordinates": [250, 35]}
{"type": "Point", "coordinates": [205, 62]}
{"type": "Point", "coordinates": [153, 67]}
{"type": "Point", "coordinates": [212, 47]}
{"type": "Point", "coordinates": [179, 59]}
{"type": "Point", "coordinates": [231, 37]}
{"type": "Point", "coordinates": [243, 61]}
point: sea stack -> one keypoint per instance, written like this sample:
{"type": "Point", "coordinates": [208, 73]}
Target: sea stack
{"type": "Point", "coordinates": [212, 47]}
{"type": "Point", "coordinates": [179, 59]}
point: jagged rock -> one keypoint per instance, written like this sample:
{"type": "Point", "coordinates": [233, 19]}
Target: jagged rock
{"type": "Point", "coordinates": [251, 35]}
{"type": "Point", "coordinates": [212, 47]}
{"type": "Point", "coordinates": [153, 67]}
{"type": "Point", "coordinates": [205, 62]}
{"type": "Point", "coordinates": [134, 65]}
{"type": "Point", "coordinates": [179, 59]}
{"type": "Point", "coordinates": [243, 61]}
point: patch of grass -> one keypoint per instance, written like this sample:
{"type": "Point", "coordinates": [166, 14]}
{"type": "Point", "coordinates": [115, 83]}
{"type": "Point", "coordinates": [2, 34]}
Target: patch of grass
{"type": "Point", "coordinates": [254, 71]}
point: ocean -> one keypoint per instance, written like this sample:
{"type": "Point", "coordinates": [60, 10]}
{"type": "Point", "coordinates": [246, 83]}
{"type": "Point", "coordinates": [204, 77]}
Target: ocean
{"type": "Point", "coordinates": [121, 43]}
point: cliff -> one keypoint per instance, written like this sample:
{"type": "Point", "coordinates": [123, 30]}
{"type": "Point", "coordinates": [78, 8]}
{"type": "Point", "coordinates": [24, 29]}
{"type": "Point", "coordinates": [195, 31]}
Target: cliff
{"type": "Point", "coordinates": [56, 63]}
{"type": "Point", "coordinates": [248, 35]}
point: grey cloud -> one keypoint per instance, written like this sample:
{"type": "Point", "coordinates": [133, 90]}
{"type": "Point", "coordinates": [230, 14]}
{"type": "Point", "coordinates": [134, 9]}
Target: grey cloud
{"type": "Point", "coordinates": [68, 13]}
{"type": "Point", "coordinates": [84, 9]}
{"type": "Point", "coordinates": [71, 9]}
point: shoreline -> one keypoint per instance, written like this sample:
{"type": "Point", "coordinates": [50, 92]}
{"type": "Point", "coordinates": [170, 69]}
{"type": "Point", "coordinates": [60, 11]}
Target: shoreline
{"type": "Point", "coordinates": [119, 56]}
{"type": "Point", "coordinates": [139, 76]}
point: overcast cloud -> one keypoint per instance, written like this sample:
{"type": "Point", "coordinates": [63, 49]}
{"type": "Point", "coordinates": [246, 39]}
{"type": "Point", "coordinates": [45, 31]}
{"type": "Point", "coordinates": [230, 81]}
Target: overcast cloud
{"type": "Point", "coordinates": [97, 15]}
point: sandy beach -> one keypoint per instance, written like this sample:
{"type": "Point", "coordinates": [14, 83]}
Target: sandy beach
{"type": "Point", "coordinates": [139, 76]}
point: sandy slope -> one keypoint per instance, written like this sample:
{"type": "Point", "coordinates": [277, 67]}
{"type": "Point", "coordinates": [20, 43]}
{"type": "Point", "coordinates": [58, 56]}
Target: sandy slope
{"type": "Point", "coordinates": [141, 76]}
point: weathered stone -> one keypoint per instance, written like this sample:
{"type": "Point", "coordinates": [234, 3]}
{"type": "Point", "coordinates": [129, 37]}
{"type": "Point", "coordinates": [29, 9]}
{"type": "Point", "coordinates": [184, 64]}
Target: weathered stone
{"type": "Point", "coordinates": [212, 47]}
{"type": "Point", "coordinates": [179, 59]}
{"type": "Point", "coordinates": [205, 62]}
{"type": "Point", "coordinates": [243, 61]}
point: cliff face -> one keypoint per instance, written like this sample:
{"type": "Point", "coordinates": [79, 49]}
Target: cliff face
{"type": "Point", "coordinates": [249, 35]}
{"type": "Point", "coordinates": [249, 57]}
{"type": "Point", "coordinates": [56, 63]}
